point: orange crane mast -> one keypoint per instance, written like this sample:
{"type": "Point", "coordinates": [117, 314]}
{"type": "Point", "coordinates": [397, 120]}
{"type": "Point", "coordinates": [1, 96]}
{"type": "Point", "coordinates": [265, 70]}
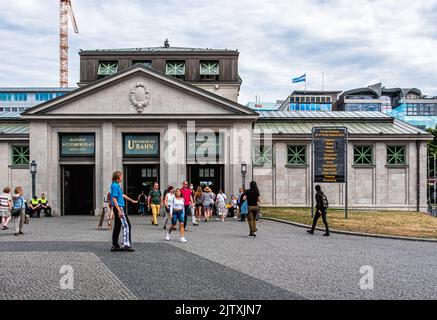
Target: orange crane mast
{"type": "Point", "coordinates": [65, 10]}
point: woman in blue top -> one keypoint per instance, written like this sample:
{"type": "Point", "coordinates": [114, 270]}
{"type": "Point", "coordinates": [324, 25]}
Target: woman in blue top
{"type": "Point", "coordinates": [121, 218]}
{"type": "Point", "coordinates": [18, 212]}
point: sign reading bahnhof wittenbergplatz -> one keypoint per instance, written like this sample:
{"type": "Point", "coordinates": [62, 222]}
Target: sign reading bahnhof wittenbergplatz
{"type": "Point", "coordinates": [330, 154]}
{"type": "Point", "coordinates": [77, 145]}
{"type": "Point", "coordinates": [205, 147]}
{"type": "Point", "coordinates": [141, 145]}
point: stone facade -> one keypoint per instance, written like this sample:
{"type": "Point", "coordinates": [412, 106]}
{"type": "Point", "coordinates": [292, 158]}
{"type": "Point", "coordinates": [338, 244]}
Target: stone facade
{"type": "Point", "coordinates": [377, 186]}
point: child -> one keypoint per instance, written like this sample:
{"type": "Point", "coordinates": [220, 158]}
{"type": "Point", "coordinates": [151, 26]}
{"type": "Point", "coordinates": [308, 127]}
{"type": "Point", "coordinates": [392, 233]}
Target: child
{"type": "Point", "coordinates": [233, 206]}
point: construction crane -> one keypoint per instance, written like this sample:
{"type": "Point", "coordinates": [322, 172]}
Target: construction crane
{"type": "Point", "coordinates": [65, 10]}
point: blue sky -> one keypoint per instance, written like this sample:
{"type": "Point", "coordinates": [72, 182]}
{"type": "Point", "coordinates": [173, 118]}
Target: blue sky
{"type": "Point", "coordinates": [355, 43]}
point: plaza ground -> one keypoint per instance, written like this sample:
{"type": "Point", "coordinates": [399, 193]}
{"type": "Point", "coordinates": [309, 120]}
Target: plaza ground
{"type": "Point", "coordinates": [393, 223]}
{"type": "Point", "coordinates": [219, 262]}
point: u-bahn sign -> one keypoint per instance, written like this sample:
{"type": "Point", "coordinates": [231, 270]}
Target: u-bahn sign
{"type": "Point", "coordinates": [330, 154]}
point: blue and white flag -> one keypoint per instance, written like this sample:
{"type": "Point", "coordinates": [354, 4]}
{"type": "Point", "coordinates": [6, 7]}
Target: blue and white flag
{"type": "Point", "coordinates": [300, 79]}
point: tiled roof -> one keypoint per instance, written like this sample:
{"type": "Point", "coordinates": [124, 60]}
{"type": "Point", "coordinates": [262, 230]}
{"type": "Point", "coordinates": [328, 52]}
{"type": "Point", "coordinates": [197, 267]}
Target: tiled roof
{"type": "Point", "coordinates": [14, 128]}
{"type": "Point", "coordinates": [395, 127]}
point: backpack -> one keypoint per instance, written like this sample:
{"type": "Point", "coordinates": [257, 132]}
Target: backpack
{"type": "Point", "coordinates": [325, 202]}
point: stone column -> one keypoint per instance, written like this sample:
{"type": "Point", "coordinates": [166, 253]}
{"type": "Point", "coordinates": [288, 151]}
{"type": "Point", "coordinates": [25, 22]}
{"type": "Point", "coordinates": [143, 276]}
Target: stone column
{"type": "Point", "coordinates": [381, 174]}
{"type": "Point", "coordinates": [107, 166]}
{"type": "Point", "coordinates": [40, 148]}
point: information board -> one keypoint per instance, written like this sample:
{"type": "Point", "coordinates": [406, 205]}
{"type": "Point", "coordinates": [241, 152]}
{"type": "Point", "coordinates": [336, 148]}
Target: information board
{"type": "Point", "coordinates": [77, 145]}
{"type": "Point", "coordinates": [330, 155]}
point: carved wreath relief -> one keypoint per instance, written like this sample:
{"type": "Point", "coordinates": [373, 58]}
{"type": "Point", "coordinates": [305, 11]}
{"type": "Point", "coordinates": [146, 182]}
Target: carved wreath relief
{"type": "Point", "coordinates": [139, 97]}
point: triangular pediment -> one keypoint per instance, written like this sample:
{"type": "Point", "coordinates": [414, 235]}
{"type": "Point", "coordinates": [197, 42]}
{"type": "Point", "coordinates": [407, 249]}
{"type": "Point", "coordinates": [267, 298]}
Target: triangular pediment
{"type": "Point", "coordinates": [139, 92]}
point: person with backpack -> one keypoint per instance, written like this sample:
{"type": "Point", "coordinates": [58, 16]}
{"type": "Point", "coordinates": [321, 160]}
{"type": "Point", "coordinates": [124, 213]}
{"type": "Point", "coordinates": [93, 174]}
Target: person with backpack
{"type": "Point", "coordinates": [252, 196]}
{"type": "Point", "coordinates": [321, 208]}
{"type": "Point", "coordinates": [142, 202]}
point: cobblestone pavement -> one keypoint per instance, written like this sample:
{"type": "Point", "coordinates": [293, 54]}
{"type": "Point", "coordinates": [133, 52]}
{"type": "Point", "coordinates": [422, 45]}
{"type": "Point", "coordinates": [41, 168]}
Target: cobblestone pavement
{"type": "Point", "coordinates": [221, 262]}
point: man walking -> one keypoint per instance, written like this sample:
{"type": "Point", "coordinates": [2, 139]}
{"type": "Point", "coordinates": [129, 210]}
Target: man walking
{"type": "Point", "coordinates": [321, 208]}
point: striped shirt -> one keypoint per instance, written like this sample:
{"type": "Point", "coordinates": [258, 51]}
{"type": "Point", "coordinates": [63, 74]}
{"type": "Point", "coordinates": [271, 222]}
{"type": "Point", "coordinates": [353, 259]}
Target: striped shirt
{"type": "Point", "coordinates": [5, 201]}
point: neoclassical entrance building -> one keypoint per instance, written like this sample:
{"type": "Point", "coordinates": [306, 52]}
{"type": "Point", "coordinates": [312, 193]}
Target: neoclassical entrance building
{"type": "Point", "coordinates": [171, 114]}
{"type": "Point", "coordinates": [148, 125]}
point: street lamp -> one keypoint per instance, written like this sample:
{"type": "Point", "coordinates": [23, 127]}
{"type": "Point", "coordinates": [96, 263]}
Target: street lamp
{"type": "Point", "coordinates": [243, 173]}
{"type": "Point", "coordinates": [33, 171]}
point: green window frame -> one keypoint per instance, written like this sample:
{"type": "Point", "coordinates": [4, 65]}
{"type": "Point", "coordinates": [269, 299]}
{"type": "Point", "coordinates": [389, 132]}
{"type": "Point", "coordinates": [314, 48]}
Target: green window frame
{"type": "Point", "coordinates": [263, 155]}
{"type": "Point", "coordinates": [296, 155]}
{"type": "Point", "coordinates": [175, 69]}
{"type": "Point", "coordinates": [363, 155]}
{"type": "Point", "coordinates": [107, 68]}
{"type": "Point", "coordinates": [20, 155]}
{"type": "Point", "coordinates": [209, 70]}
{"type": "Point", "coordinates": [396, 155]}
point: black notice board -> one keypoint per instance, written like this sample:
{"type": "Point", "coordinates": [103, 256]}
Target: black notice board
{"type": "Point", "coordinates": [330, 155]}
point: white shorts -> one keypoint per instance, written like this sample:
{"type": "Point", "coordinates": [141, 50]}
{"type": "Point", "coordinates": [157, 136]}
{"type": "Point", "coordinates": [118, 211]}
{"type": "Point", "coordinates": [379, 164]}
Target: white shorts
{"type": "Point", "coordinates": [5, 213]}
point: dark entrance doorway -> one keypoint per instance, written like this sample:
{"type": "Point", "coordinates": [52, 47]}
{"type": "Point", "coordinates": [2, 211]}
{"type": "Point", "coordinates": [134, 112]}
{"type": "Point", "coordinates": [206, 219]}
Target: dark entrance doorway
{"type": "Point", "coordinates": [78, 189]}
{"type": "Point", "coordinates": [137, 178]}
{"type": "Point", "coordinates": [206, 175]}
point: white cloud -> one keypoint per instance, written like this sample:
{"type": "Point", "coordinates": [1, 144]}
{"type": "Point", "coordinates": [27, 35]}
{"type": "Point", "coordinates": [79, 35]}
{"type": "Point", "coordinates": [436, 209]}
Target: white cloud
{"type": "Point", "coordinates": [355, 43]}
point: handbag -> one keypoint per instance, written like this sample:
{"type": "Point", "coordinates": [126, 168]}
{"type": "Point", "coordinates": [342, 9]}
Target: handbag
{"type": "Point", "coordinates": [16, 212]}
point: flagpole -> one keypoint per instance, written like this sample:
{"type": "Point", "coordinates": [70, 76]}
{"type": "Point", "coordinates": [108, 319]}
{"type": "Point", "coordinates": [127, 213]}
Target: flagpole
{"type": "Point", "coordinates": [305, 81]}
{"type": "Point", "coordinates": [323, 81]}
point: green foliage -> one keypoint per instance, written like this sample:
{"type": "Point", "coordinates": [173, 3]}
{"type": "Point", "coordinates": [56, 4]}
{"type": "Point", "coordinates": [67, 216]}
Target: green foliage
{"type": "Point", "coordinates": [432, 145]}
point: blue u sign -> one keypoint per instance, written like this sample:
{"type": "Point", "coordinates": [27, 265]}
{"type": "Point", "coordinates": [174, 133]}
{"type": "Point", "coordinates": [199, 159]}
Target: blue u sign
{"type": "Point", "coordinates": [141, 145]}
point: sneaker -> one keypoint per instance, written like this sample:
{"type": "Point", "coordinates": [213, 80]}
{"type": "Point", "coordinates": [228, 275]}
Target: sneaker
{"type": "Point", "coordinates": [195, 224]}
{"type": "Point", "coordinates": [115, 248]}
{"type": "Point", "coordinates": [5, 228]}
{"type": "Point", "coordinates": [183, 240]}
{"type": "Point", "coordinates": [16, 234]}
{"type": "Point", "coordinates": [326, 235]}
{"type": "Point", "coordinates": [167, 237]}
{"type": "Point", "coordinates": [310, 231]}
{"type": "Point", "coordinates": [21, 232]}
{"type": "Point", "coordinates": [129, 249]}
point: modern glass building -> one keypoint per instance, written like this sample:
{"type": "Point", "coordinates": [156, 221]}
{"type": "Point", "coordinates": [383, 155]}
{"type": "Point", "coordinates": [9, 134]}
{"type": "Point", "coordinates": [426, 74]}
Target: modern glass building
{"type": "Point", "coordinates": [311, 101]}
{"type": "Point", "coordinates": [406, 104]}
{"type": "Point", "coordinates": [18, 100]}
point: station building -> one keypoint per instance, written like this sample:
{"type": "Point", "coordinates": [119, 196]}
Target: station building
{"type": "Point", "coordinates": [171, 114]}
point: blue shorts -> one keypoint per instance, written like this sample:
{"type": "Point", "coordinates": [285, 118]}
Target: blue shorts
{"type": "Point", "coordinates": [177, 215]}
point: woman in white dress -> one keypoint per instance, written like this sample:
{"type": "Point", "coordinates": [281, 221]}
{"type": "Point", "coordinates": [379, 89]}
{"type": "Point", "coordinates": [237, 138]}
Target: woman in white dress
{"type": "Point", "coordinates": [221, 206]}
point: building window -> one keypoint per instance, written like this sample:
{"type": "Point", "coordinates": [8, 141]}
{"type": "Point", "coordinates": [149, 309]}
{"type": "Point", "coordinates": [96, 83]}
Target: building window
{"type": "Point", "coordinates": [296, 155]}
{"type": "Point", "coordinates": [20, 155]}
{"type": "Point", "coordinates": [412, 110]}
{"type": "Point", "coordinates": [43, 96]}
{"type": "Point", "coordinates": [13, 96]}
{"type": "Point", "coordinates": [363, 155]}
{"type": "Point", "coordinates": [209, 70]}
{"type": "Point", "coordinates": [107, 68]}
{"type": "Point", "coordinates": [145, 63]}
{"type": "Point", "coordinates": [396, 155]}
{"type": "Point", "coordinates": [175, 69]}
{"type": "Point", "coordinates": [263, 155]}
